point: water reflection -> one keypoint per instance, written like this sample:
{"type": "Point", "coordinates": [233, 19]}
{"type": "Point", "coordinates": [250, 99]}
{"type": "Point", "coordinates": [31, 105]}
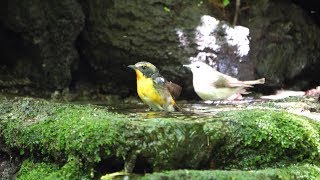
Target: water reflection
{"type": "Point", "coordinates": [191, 111]}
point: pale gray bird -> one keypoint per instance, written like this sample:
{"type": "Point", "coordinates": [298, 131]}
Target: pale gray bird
{"type": "Point", "coordinates": [210, 85]}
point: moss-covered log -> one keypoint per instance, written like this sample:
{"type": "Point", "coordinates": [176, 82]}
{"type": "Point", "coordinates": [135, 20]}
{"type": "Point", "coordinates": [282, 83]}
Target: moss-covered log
{"type": "Point", "coordinates": [70, 140]}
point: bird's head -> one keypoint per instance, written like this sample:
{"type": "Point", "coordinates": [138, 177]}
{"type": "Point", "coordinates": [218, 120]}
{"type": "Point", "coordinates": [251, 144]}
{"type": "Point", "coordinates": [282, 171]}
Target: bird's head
{"type": "Point", "coordinates": [144, 68]}
{"type": "Point", "coordinates": [200, 68]}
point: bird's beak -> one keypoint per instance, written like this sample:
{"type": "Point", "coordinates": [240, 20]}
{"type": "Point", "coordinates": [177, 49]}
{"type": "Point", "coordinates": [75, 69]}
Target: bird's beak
{"type": "Point", "coordinates": [132, 67]}
{"type": "Point", "coordinates": [187, 66]}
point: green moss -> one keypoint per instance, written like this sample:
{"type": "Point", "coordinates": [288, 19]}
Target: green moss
{"type": "Point", "coordinates": [260, 138]}
{"type": "Point", "coordinates": [86, 134]}
{"type": "Point", "coordinates": [31, 170]}
{"type": "Point", "coordinates": [68, 130]}
{"type": "Point", "coordinates": [304, 171]}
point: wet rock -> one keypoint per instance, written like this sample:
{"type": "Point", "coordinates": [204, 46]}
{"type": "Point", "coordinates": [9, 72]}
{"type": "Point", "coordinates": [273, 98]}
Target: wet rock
{"type": "Point", "coordinates": [43, 34]}
{"type": "Point", "coordinates": [9, 162]}
{"type": "Point", "coordinates": [284, 43]}
{"type": "Point", "coordinates": [168, 34]}
{"type": "Point", "coordinates": [120, 33]}
{"type": "Point", "coordinates": [174, 33]}
{"type": "Point", "coordinates": [69, 140]}
{"type": "Point", "coordinates": [291, 172]}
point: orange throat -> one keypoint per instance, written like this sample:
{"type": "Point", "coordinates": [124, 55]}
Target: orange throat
{"type": "Point", "coordinates": [139, 74]}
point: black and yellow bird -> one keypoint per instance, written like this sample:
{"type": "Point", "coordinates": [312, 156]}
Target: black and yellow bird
{"type": "Point", "coordinates": [153, 89]}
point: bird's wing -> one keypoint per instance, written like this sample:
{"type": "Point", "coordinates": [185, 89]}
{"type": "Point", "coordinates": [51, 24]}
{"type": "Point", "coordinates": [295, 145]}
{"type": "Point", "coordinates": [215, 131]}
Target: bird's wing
{"type": "Point", "coordinates": [168, 90]}
{"type": "Point", "coordinates": [227, 81]}
{"type": "Point", "coordinates": [164, 86]}
{"type": "Point", "coordinates": [174, 89]}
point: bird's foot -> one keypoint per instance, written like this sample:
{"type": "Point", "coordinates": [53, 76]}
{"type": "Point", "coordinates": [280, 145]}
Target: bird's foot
{"type": "Point", "coordinates": [222, 102]}
{"type": "Point", "coordinates": [148, 110]}
{"type": "Point", "coordinates": [208, 102]}
{"type": "Point", "coordinates": [216, 103]}
{"type": "Point", "coordinates": [234, 97]}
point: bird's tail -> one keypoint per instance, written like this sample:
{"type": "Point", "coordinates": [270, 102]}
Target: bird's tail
{"type": "Point", "coordinates": [258, 81]}
{"type": "Point", "coordinates": [177, 107]}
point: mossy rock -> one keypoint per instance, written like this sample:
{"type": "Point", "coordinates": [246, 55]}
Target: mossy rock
{"type": "Point", "coordinates": [88, 141]}
{"type": "Point", "coordinates": [261, 138]}
{"type": "Point", "coordinates": [33, 170]}
{"type": "Point", "coordinates": [302, 171]}
{"type": "Point", "coordinates": [45, 170]}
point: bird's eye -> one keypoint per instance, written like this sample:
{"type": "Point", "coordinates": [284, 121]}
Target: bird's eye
{"type": "Point", "coordinates": [143, 67]}
{"type": "Point", "coordinates": [197, 66]}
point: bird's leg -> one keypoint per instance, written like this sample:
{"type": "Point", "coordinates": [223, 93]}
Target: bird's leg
{"type": "Point", "coordinates": [208, 102]}
{"type": "Point", "coordinates": [237, 96]}
{"type": "Point", "coordinates": [217, 103]}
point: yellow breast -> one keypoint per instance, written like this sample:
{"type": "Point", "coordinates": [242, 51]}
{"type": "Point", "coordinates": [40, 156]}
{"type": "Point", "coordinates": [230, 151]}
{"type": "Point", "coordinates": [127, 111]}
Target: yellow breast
{"type": "Point", "coordinates": [147, 92]}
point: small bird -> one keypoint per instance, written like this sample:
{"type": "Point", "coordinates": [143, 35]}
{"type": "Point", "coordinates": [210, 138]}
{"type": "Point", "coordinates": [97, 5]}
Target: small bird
{"type": "Point", "coordinates": [153, 89]}
{"type": "Point", "coordinates": [210, 85]}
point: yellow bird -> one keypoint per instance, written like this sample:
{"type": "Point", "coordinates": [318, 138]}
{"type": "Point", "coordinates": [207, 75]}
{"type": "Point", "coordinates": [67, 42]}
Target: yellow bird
{"type": "Point", "coordinates": [153, 89]}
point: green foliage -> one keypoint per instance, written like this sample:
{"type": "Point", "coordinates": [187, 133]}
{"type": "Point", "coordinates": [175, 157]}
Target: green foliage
{"type": "Point", "coordinates": [166, 9]}
{"type": "Point", "coordinates": [220, 4]}
{"type": "Point", "coordinates": [226, 3]}
{"type": "Point", "coordinates": [200, 3]}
